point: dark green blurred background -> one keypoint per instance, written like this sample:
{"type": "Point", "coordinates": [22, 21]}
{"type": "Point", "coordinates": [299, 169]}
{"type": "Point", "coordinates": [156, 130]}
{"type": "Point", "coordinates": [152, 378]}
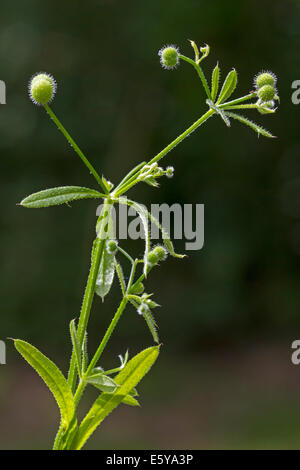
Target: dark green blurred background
{"type": "Point", "coordinates": [230, 311]}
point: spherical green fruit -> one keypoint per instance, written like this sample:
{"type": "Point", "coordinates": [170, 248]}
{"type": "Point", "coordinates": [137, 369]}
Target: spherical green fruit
{"type": "Point", "coordinates": [266, 93]}
{"type": "Point", "coordinates": [169, 57]}
{"type": "Point", "coordinates": [160, 252]}
{"type": "Point", "coordinates": [42, 88]}
{"type": "Point", "coordinates": [152, 258]}
{"type": "Point", "coordinates": [265, 78]}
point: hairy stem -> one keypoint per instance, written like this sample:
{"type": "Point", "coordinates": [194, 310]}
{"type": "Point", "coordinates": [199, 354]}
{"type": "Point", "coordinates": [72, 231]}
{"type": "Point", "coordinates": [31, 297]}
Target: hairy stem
{"type": "Point", "coordinates": [96, 259]}
{"type": "Point", "coordinates": [90, 288]}
{"type": "Point", "coordinates": [89, 293]}
{"type": "Point", "coordinates": [107, 335]}
{"type": "Point", "coordinates": [199, 72]}
{"type": "Point", "coordinates": [75, 147]}
{"type": "Point", "coordinates": [86, 308]}
{"type": "Point", "coordinates": [182, 136]}
{"type": "Point", "coordinates": [98, 353]}
{"type": "Point", "coordinates": [167, 149]}
{"type": "Point", "coordinates": [238, 100]}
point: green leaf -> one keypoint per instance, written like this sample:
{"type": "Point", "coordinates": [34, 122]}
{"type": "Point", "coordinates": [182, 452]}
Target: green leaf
{"type": "Point", "coordinates": [224, 117]}
{"type": "Point", "coordinates": [127, 379]}
{"type": "Point", "coordinates": [166, 239]}
{"type": "Point", "coordinates": [133, 392]}
{"type": "Point", "coordinates": [56, 196]}
{"type": "Point", "coordinates": [123, 360]}
{"type": "Point", "coordinates": [56, 382]}
{"type": "Point", "coordinates": [151, 181]}
{"type": "Point", "coordinates": [196, 50]}
{"type": "Point", "coordinates": [108, 185]}
{"type": "Point", "coordinates": [76, 346]}
{"type": "Point", "coordinates": [229, 86]}
{"type": "Point", "coordinates": [129, 400]}
{"type": "Point", "coordinates": [169, 245]}
{"type": "Point", "coordinates": [107, 265]}
{"type": "Point", "coordinates": [215, 82]}
{"type": "Point", "coordinates": [143, 213]}
{"type": "Point", "coordinates": [131, 173]}
{"type": "Point", "coordinates": [85, 358]}
{"type": "Point", "coordinates": [102, 382]}
{"type": "Point", "coordinates": [253, 125]}
{"type": "Point", "coordinates": [152, 326]}
{"type": "Point", "coordinates": [220, 112]}
{"type": "Point", "coordinates": [120, 274]}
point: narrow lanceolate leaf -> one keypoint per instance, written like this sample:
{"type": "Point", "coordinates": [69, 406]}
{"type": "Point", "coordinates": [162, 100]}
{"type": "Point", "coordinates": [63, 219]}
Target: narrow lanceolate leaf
{"type": "Point", "coordinates": [76, 347]}
{"type": "Point", "coordinates": [61, 195]}
{"type": "Point", "coordinates": [129, 400]}
{"type": "Point", "coordinates": [253, 125]}
{"type": "Point", "coordinates": [127, 379]}
{"type": "Point", "coordinates": [166, 239]}
{"type": "Point", "coordinates": [107, 265]}
{"type": "Point", "coordinates": [215, 82]}
{"type": "Point", "coordinates": [223, 115]}
{"type": "Point", "coordinates": [120, 274]}
{"type": "Point", "coordinates": [143, 214]}
{"type": "Point", "coordinates": [84, 354]}
{"type": "Point", "coordinates": [228, 87]}
{"type": "Point", "coordinates": [131, 173]}
{"type": "Point", "coordinates": [169, 245]}
{"type": "Point", "coordinates": [54, 379]}
{"type": "Point", "coordinates": [102, 382]}
{"type": "Point", "coordinates": [152, 326]}
{"type": "Point", "coordinates": [133, 393]}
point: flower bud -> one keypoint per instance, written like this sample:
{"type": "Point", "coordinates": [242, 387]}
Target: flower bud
{"type": "Point", "coordinates": [265, 78]}
{"type": "Point", "coordinates": [143, 309]}
{"type": "Point", "coordinates": [170, 171]}
{"type": "Point", "coordinates": [112, 247]}
{"type": "Point", "coordinates": [42, 88]}
{"type": "Point", "coordinates": [266, 93]}
{"type": "Point", "coordinates": [169, 57]}
{"type": "Point", "coordinates": [159, 171]}
{"type": "Point", "coordinates": [195, 47]}
{"type": "Point", "coordinates": [160, 252]}
{"type": "Point", "coordinates": [205, 50]}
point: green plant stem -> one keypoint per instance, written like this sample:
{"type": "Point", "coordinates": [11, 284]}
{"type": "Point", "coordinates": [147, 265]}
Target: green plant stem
{"type": "Point", "coordinates": [242, 106]}
{"type": "Point", "coordinates": [238, 100]}
{"type": "Point", "coordinates": [131, 174]}
{"type": "Point", "coordinates": [107, 335]}
{"type": "Point", "coordinates": [89, 292]}
{"type": "Point", "coordinates": [121, 278]}
{"type": "Point", "coordinates": [87, 302]}
{"type": "Point", "coordinates": [132, 273]}
{"type": "Point", "coordinates": [90, 287]}
{"type": "Point", "coordinates": [182, 136]}
{"type": "Point", "coordinates": [167, 149]}
{"type": "Point", "coordinates": [98, 353]}
{"type": "Point", "coordinates": [128, 182]}
{"type": "Point", "coordinates": [200, 73]}
{"type": "Point", "coordinates": [125, 254]}
{"type": "Point", "coordinates": [83, 320]}
{"type": "Point", "coordinates": [86, 308]}
{"type": "Point", "coordinates": [75, 146]}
